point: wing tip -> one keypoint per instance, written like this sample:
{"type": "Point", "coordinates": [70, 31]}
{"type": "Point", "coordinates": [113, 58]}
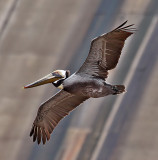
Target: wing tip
{"type": "Point", "coordinates": [127, 28]}
{"type": "Point", "coordinates": [32, 131]}
{"type": "Point", "coordinates": [121, 25]}
{"type": "Point", "coordinates": [39, 137]}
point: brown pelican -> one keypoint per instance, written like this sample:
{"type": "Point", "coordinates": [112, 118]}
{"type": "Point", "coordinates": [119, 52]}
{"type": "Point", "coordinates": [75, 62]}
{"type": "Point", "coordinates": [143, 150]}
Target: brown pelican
{"type": "Point", "coordinates": [88, 81]}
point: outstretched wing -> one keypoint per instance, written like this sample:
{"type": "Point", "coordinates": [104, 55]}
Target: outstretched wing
{"type": "Point", "coordinates": [51, 112]}
{"type": "Point", "coordinates": [105, 51]}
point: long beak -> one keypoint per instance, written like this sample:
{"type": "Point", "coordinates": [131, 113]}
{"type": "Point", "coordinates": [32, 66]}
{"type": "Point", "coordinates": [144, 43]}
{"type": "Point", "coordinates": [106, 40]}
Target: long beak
{"type": "Point", "coordinates": [52, 77]}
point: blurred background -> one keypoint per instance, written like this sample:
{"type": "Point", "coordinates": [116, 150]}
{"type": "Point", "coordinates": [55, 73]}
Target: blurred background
{"type": "Point", "coordinates": [40, 36]}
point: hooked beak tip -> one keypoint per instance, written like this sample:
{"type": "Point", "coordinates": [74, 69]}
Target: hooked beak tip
{"type": "Point", "coordinates": [24, 87]}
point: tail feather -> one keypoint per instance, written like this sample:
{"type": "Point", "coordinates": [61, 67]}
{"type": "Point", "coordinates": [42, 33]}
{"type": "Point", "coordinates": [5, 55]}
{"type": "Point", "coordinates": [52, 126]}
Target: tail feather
{"type": "Point", "coordinates": [118, 89]}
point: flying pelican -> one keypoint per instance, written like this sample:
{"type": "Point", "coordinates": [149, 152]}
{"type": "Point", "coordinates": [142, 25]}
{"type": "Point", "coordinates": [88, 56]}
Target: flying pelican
{"type": "Point", "coordinates": [88, 81]}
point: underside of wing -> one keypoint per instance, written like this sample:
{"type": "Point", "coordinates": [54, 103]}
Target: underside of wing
{"type": "Point", "coordinates": [105, 51]}
{"type": "Point", "coordinates": [51, 112]}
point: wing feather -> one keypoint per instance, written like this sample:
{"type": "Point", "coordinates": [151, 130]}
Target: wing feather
{"type": "Point", "coordinates": [39, 135]}
{"type": "Point", "coordinates": [43, 136]}
{"type": "Point", "coordinates": [105, 51]}
{"type": "Point", "coordinates": [51, 112]}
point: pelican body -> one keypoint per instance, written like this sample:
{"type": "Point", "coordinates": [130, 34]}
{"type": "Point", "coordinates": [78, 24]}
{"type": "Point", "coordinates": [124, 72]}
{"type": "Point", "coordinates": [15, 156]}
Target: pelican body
{"type": "Point", "coordinates": [88, 86]}
{"type": "Point", "coordinates": [89, 81]}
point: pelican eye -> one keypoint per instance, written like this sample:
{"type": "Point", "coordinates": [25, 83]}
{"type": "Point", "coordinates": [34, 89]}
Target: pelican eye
{"type": "Point", "coordinates": [57, 74]}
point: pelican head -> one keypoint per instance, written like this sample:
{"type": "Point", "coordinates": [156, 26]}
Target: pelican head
{"type": "Point", "coordinates": [54, 77]}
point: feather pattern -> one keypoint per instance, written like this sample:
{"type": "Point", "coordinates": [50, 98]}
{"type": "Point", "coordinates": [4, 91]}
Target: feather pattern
{"type": "Point", "coordinates": [51, 112]}
{"type": "Point", "coordinates": [105, 51]}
